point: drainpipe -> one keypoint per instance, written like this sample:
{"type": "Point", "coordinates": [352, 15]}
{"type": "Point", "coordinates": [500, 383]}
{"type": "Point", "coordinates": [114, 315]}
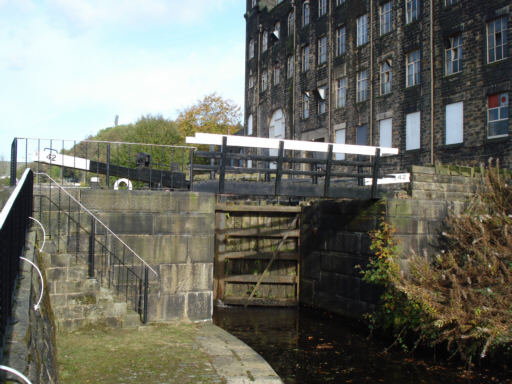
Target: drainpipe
{"type": "Point", "coordinates": [371, 73]}
{"type": "Point", "coordinates": [330, 134]}
{"type": "Point", "coordinates": [432, 81]}
{"type": "Point", "coordinates": [294, 53]}
{"type": "Point", "coordinates": [257, 85]}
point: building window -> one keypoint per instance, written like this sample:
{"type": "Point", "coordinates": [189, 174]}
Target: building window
{"type": "Point", "coordinates": [264, 41]}
{"type": "Point", "coordinates": [413, 68]}
{"type": "Point", "coordinates": [362, 135]}
{"type": "Point", "coordinates": [305, 106]}
{"type": "Point", "coordinates": [412, 10]}
{"type": "Point", "coordinates": [454, 123]}
{"type": "Point", "coordinates": [362, 30]}
{"type": "Point", "coordinates": [277, 30]}
{"type": "Point", "coordinates": [412, 131]}
{"type": "Point", "coordinates": [277, 73]}
{"type": "Point", "coordinates": [251, 80]}
{"type": "Point", "coordinates": [290, 65]}
{"type": "Point", "coordinates": [386, 133]}
{"type": "Point", "coordinates": [305, 14]}
{"type": "Point", "coordinates": [291, 22]}
{"type": "Point", "coordinates": [322, 50]}
{"type": "Point", "coordinates": [322, 7]}
{"type": "Point", "coordinates": [450, 2]}
{"type": "Point", "coordinates": [497, 115]}
{"type": "Point", "coordinates": [322, 100]}
{"type": "Point", "coordinates": [341, 92]}
{"type": "Point", "coordinates": [497, 40]}
{"type": "Point", "coordinates": [264, 80]}
{"type": "Point", "coordinates": [305, 58]}
{"type": "Point", "coordinates": [341, 39]}
{"type": "Point", "coordinates": [386, 77]}
{"type": "Point", "coordinates": [254, 3]}
{"type": "Point", "coordinates": [251, 49]}
{"type": "Point", "coordinates": [249, 125]}
{"type": "Point", "coordinates": [339, 2]}
{"type": "Point", "coordinates": [362, 86]}
{"type": "Point", "coordinates": [386, 21]}
{"type": "Point", "coordinates": [453, 55]}
{"type": "Point", "coordinates": [340, 139]}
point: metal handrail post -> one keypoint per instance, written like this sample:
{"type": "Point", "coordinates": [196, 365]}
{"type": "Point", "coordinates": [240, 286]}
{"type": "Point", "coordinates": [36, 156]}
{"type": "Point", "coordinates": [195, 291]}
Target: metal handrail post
{"type": "Point", "coordinates": [146, 289]}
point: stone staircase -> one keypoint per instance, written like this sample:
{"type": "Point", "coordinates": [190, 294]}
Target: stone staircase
{"type": "Point", "coordinates": [80, 302]}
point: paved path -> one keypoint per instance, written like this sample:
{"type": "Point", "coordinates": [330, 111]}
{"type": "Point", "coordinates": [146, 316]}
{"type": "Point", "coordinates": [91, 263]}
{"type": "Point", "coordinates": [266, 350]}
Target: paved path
{"type": "Point", "coordinates": [171, 353]}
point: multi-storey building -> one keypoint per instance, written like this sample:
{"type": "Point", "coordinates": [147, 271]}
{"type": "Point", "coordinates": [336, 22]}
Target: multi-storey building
{"type": "Point", "coordinates": [430, 77]}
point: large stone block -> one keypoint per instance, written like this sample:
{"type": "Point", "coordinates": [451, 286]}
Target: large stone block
{"type": "Point", "coordinates": [310, 264]}
{"type": "Point", "coordinates": [181, 223]}
{"type": "Point", "coordinates": [200, 306]}
{"type": "Point", "coordinates": [128, 223]}
{"type": "Point", "coordinates": [201, 248]}
{"type": "Point", "coordinates": [195, 202]}
{"type": "Point", "coordinates": [135, 201]}
{"type": "Point", "coordinates": [159, 249]}
{"type": "Point", "coordinates": [173, 307]}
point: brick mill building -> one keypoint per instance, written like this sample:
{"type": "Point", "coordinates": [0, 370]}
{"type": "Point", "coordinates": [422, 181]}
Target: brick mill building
{"type": "Point", "coordinates": [430, 77]}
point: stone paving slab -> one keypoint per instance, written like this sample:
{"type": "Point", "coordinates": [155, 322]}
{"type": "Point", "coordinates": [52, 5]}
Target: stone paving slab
{"type": "Point", "coordinates": [161, 353]}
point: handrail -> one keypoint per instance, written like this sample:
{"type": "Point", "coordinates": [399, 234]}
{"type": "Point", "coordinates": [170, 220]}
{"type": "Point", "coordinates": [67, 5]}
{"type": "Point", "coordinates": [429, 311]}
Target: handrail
{"type": "Point", "coordinates": [15, 372]}
{"type": "Point", "coordinates": [36, 307]}
{"type": "Point", "coordinates": [109, 142]}
{"type": "Point", "coordinates": [99, 221]}
{"type": "Point", "coordinates": [8, 205]}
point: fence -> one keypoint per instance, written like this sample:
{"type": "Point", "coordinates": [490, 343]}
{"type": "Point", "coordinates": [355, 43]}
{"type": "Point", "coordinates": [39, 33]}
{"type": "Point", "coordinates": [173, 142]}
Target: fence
{"type": "Point", "coordinates": [275, 167]}
{"type": "Point", "coordinates": [79, 232]}
{"type": "Point", "coordinates": [75, 162]}
{"type": "Point", "coordinates": [14, 221]}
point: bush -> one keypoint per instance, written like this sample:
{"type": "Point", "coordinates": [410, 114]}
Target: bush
{"type": "Point", "coordinates": [461, 297]}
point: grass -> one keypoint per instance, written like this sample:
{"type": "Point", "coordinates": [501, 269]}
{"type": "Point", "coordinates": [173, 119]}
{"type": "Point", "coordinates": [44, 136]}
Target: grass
{"type": "Point", "coordinates": [153, 354]}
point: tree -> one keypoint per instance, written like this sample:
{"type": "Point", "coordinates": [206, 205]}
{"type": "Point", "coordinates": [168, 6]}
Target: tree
{"type": "Point", "coordinates": [212, 114]}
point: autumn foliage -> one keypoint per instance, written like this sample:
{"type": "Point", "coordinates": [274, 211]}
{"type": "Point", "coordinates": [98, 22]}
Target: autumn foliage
{"type": "Point", "coordinates": [464, 293]}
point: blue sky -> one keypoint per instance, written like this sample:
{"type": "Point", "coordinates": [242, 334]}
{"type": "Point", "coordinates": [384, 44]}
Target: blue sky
{"type": "Point", "coordinates": [68, 67]}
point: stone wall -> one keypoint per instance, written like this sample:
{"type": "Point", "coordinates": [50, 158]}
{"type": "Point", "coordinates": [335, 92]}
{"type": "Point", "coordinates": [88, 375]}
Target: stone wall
{"type": "Point", "coordinates": [31, 345]}
{"type": "Point", "coordinates": [174, 233]}
{"type": "Point", "coordinates": [335, 235]}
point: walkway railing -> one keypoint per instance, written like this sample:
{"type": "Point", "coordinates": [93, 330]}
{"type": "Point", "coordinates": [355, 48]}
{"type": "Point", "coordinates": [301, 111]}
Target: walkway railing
{"type": "Point", "coordinates": [77, 161]}
{"type": "Point", "coordinates": [14, 221]}
{"type": "Point", "coordinates": [282, 161]}
{"type": "Point", "coordinates": [80, 232]}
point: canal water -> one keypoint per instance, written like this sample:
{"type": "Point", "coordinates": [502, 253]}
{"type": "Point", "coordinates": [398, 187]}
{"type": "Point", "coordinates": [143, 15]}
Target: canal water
{"type": "Point", "coordinates": [305, 346]}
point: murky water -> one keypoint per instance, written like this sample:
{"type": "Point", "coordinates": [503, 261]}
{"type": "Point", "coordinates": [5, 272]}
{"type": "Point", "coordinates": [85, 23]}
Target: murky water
{"type": "Point", "coordinates": [305, 346]}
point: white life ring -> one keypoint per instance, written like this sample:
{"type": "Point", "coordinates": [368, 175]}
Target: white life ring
{"type": "Point", "coordinates": [125, 181]}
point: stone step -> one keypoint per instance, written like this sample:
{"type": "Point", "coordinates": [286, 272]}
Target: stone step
{"type": "Point", "coordinates": [451, 179]}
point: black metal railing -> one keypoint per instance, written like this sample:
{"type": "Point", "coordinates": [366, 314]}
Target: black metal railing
{"type": "Point", "coordinates": [77, 231]}
{"type": "Point", "coordinates": [76, 162]}
{"type": "Point", "coordinates": [321, 166]}
{"type": "Point", "coordinates": [14, 221]}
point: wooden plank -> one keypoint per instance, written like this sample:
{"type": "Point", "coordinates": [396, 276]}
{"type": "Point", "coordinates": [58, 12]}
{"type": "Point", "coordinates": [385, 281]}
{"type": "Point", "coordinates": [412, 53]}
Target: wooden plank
{"type": "Point", "coordinates": [261, 301]}
{"type": "Point", "coordinates": [259, 232]}
{"type": "Point", "coordinates": [258, 208]}
{"type": "Point", "coordinates": [269, 279]}
{"type": "Point", "coordinates": [255, 255]}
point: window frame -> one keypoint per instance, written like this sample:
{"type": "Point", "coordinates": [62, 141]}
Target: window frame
{"type": "Point", "coordinates": [322, 50]}
{"type": "Point", "coordinates": [264, 80]}
{"type": "Point", "coordinates": [305, 58]}
{"type": "Point", "coordinates": [416, 66]}
{"type": "Point", "coordinates": [504, 39]}
{"type": "Point", "coordinates": [412, 11]}
{"type": "Point", "coordinates": [386, 87]}
{"type": "Point", "coordinates": [362, 30]}
{"type": "Point", "coordinates": [277, 73]}
{"type": "Point", "coordinates": [450, 61]}
{"type": "Point", "coordinates": [386, 18]}
{"type": "Point", "coordinates": [306, 14]}
{"type": "Point", "coordinates": [362, 86]}
{"type": "Point", "coordinates": [291, 23]}
{"type": "Point", "coordinates": [322, 8]}
{"type": "Point", "coordinates": [341, 92]}
{"type": "Point", "coordinates": [341, 41]}
{"type": "Point", "coordinates": [290, 67]}
{"type": "Point", "coordinates": [306, 101]}
{"type": "Point", "coordinates": [251, 49]}
{"type": "Point", "coordinates": [500, 109]}
{"type": "Point", "coordinates": [264, 41]}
